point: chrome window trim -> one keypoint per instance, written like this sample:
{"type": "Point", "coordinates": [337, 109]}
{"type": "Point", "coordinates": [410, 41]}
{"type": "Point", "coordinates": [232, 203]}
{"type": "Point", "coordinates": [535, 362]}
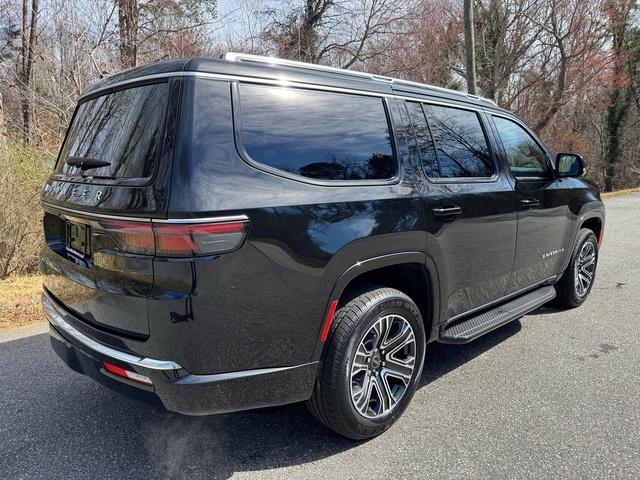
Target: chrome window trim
{"type": "Point", "coordinates": [238, 131]}
{"type": "Point", "coordinates": [56, 319]}
{"type": "Point", "coordinates": [83, 213]}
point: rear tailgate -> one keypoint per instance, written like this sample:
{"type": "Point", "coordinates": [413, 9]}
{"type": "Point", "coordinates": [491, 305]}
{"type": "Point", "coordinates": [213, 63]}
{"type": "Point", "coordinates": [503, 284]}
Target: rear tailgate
{"type": "Point", "coordinates": [99, 284]}
{"type": "Point", "coordinates": [114, 163]}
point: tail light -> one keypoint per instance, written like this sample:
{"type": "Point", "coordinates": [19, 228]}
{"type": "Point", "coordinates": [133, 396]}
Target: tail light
{"type": "Point", "coordinates": [175, 239]}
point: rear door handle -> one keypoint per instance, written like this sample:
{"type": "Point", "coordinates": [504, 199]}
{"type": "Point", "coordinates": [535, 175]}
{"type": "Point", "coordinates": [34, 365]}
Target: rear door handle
{"type": "Point", "coordinates": [530, 202]}
{"type": "Point", "coordinates": [447, 211]}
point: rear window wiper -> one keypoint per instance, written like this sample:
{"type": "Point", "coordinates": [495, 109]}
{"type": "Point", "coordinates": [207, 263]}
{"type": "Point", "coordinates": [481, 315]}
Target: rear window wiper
{"type": "Point", "coordinates": [85, 162]}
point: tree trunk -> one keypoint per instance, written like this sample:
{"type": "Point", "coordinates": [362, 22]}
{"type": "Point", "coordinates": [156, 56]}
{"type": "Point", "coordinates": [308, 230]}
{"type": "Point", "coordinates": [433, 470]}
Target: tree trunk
{"type": "Point", "coordinates": [620, 98]}
{"type": "Point", "coordinates": [558, 94]}
{"type": "Point", "coordinates": [470, 46]}
{"type": "Point", "coordinates": [2, 125]}
{"type": "Point", "coordinates": [29, 41]}
{"type": "Point", "coordinates": [128, 16]}
{"type": "Point", "coordinates": [616, 116]}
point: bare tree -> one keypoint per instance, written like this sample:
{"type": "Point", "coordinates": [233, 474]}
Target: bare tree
{"type": "Point", "coordinates": [573, 36]}
{"type": "Point", "coordinates": [470, 46]}
{"type": "Point", "coordinates": [128, 18]}
{"type": "Point", "coordinates": [295, 34]}
{"type": "Point", "coordinates": [622, 93]}
{"type": "Point", "coordinates": [340, 33]}
{"type": "Point", "coordinates": [29, 41]}
{"type": "Point", "coordinates": [3, 130]}
{"type": "Point", "coordinates": [507, 33]}
{"type": "Point", "coordinates": [429, 46]}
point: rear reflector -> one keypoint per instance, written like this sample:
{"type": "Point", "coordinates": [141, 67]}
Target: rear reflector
{"type": "Point", "coordinates": [129, 375]}
{"type": "Point", "coordinates": [326, 326]}
{"type": "Point", "coordinates": [175, 240]}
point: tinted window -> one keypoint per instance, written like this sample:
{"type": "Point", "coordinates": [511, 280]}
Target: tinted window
{"type": "Point", "coordinates": [460, 142]}
{"type": "Point", "coordinates": [321, 135]}
{"type": "Point", "coordinates": [525, 157]}
{"type": "Point", "coordinates": [424, 141]}
{"type": "Point", "coordinates": [123, 128]}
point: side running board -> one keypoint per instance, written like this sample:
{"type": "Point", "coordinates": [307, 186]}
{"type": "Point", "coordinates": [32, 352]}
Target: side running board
{"type": "Point", "coordinates": [476, 326]}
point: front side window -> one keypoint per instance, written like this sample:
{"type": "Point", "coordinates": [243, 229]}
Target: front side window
{"type": "Point", "coordinates": [319, 135]}
{"type": "Point", "coordinates": [525, 157]}
{"type": "Point", "coordinates": [119, 133]}
{"type": "Point", "coordinates": [461, 145]}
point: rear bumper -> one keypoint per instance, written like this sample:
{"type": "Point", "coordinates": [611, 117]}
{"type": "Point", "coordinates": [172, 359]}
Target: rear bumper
{"type": "Point", "coordinates": [176, 388]}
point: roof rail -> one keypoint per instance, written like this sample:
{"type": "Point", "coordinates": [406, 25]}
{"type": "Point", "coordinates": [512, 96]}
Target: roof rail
{"type": "Point", "coordinates": [246, 57]}
{"type": "Point", "coordinates": [409, 83]}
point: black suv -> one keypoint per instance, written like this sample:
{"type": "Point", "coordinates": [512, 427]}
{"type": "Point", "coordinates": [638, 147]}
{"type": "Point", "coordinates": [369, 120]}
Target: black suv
{"type": "Point", "coordinates": [248, 232]}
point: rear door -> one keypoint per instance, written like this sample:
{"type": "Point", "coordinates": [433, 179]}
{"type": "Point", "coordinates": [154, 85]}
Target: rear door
{"type": "Point", "coordinates": [113, 166]}
{"type": "Point", "coordinates": [544, 218]}
{"type": "Point", "coordinates": [469, 206]}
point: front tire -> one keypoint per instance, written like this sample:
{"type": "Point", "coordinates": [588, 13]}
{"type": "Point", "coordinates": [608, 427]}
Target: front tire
{"type": "Point", "coordinates": [576, 282]}
{"type": "Point", "coordinates": [371, 364]}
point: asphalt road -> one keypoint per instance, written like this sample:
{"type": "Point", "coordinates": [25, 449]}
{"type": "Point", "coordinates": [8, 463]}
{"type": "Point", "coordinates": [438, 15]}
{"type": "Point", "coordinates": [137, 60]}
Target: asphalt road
{"type": "Point", "coordinates": [554, 395]}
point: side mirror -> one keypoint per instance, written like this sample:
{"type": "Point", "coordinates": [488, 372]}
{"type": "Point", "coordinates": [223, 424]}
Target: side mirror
{"type": "Point", "coordinates": [569, 165]}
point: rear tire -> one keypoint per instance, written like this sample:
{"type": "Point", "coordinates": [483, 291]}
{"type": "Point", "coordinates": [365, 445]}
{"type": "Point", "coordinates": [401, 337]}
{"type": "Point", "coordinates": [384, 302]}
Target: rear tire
{"type": "Point", "coordinates": [370, 365]}
{"type": "Point", "coordinates": [576, 282]}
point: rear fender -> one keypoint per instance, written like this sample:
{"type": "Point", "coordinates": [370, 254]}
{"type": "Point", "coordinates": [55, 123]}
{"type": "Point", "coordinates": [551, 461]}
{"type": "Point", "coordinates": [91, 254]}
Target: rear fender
{"type": "Point", "coordinates": [371, 264]}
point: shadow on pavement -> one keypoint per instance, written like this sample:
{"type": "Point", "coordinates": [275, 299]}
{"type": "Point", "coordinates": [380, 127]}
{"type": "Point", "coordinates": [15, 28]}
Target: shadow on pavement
{"type": "Point", "coordinates": [547, 309]}
{"type": "Point", "coordinates": [442, 358]}
{"type": "Point", "coordinates": [66, 422]}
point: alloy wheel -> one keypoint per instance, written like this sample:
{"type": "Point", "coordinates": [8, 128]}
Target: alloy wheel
{"type": "Point", "coordinates": [585, 268]}
{"type": "Point", "coordinates": [383, 366]}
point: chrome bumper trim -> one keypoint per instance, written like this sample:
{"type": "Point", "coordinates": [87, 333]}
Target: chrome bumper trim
{"type": "Point", "coordinates": [56, 319]}
{"type": "Point", "coordinates": [238, 374]}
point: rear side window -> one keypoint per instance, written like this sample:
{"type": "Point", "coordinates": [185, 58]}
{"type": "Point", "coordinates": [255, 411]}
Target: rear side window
{"type": "Point", "coordinates": [461, 145]}
{"type": "Point", "coordinates": [424, 141]}
{"type": "Point", "coordinates": [121, 130]}
{"type": "Point", "coordinates": [319, 135]}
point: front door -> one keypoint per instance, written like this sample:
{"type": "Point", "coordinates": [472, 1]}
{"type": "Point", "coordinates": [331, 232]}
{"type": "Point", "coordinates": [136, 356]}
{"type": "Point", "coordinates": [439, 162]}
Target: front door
{"type": "Point", "coordinates": [544, 225]}
{"type": "Point", "coordinates": [470, 211]}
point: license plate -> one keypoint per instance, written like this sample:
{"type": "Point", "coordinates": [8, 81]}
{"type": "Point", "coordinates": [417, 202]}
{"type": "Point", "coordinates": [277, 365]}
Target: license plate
{"type": "Point", "coordinates": [78, 238]}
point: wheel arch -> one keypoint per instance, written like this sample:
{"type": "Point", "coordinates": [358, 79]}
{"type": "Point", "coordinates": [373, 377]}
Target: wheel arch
{"type": "Point", "coordinates": [594, 223]}
{"type": "Point", "coordinates": [591, 217]}
{"type": "Point", "coordinates": [413, 273]}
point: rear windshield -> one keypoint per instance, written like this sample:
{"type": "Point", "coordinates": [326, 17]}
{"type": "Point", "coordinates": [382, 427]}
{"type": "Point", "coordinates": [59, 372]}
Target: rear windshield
{"type": "Point", "coordinates": [116, 135]}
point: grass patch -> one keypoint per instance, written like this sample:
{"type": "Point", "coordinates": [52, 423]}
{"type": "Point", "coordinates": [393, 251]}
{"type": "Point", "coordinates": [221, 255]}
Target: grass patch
{"type": "Point", "coordinates": [20, 301]}
{"type": "Point", "coordinates": [618, 193]}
